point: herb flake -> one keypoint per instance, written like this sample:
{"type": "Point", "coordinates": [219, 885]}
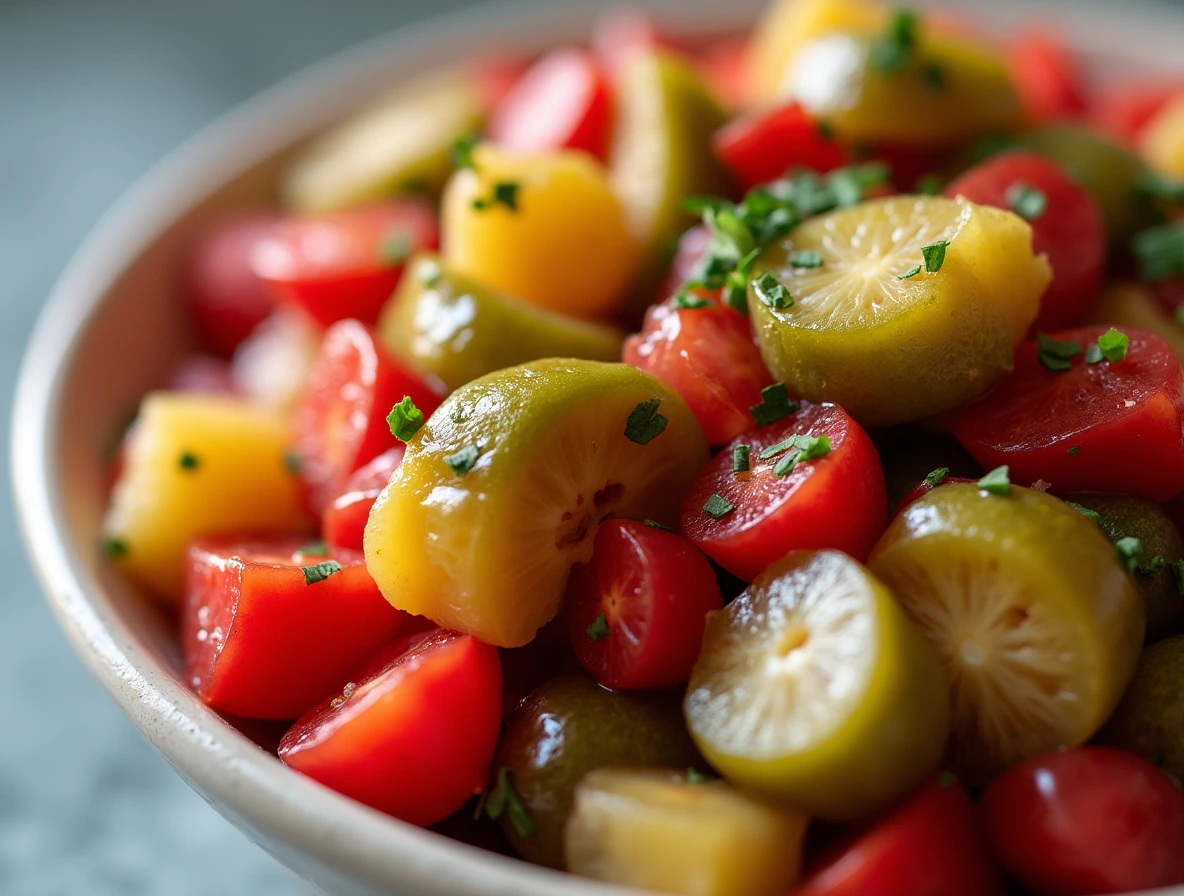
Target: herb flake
{"type": "Point", "coordinates": [997, 482]}
{"type": "Point", "coordinates": [891, 51]}
{"type": "Point", "coordinates": [505, 192]}
{"type": "Point", "coordinates": [1054, 354]}
{"type": "Point", "coordinates": [806, 258]}
{"type": "Point", "coordinates": [772, 292]}
{"type": "Point", "coordinates": [405, 419]}
{"type": "Point", "coordinates": [1160, 252]}
{"type": "Point", "coordinates": [462, 461]}
{"type": "Point", "coordinates": [1026, 201]}
{"type": "Point", "coordinates": [597, 629]}
{"type": "Point", "coordinates": [1092, 515]}
{"type": "Point", "coordinates": [937, 477]}
{"type": "Point", "coordinates": [935, 256]}
{"type": "Point", "coordinates": [1129, 550]}
{"type": "Point", "coordinates": [645, 423]}
{"type": "Point", "coordinates": [1113, 345]}
{"type": "Point", "coordinates": [114, 548]}
{"type": "Point", "coordinates": [188, 461]}
{"type": "Point", "coordinates": [717, 507]}
{"type": "Point", "coordinates": [654, 524]}
{"type": "Point", "coordinates": [775, 405]}
{"type": "Point", "coordinates": [741, 462]}
{"type": "Point", "coordinates": [504, 800]}
{"type": "Point", "coordinates": [320, 571]}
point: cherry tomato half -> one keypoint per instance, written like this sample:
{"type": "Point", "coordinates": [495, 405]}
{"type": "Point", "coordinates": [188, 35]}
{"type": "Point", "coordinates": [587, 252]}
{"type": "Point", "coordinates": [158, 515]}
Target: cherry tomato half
{"type": "Point", "coordinates": [340, 424]}
{"type": "Point", "coordinates": [836, 501]}
{"type": "Point", "coordinates": [414, 737]}
{"type": "Point", "coordinates": [562, 102]}
{"type": "Point", "coordinates": [227, 300]}
{"type": "Point", "coordinates": [1087, 820]}
{"type": "Point", "coordinates": [637, 610]}
{"type": "Point", "coordinates": [1066, 226]}
{"type": "Point", "coordinates": [1095, 427]}
{"type": "Point", "coordinates": [1047, 77]}
{"type": "Point", "coordinates": [344, 520]}
{"type": "Point", "coordinates": [344, 264]}
{"type": "Point", "coordinates": [708, 356]}
{"type": "Point", "coordinates": [766, 144]}
{"type": "Point", "coordinates": [271, 627]}
{"type": "Point", "coordinates": [929, 845]}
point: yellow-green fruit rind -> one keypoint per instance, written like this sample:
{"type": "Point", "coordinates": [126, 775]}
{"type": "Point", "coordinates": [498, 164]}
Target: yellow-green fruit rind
{"type": "Point", "coordinates": [1037, 624]}
{"type": "Point", "coordinates": [887, 729]}
{"type": "Point", "coordinates": [1150, 719]}
{"type": "Point", "coordinates": [450, 327]}
{"type": "Point", "coordinates": [487, 551]}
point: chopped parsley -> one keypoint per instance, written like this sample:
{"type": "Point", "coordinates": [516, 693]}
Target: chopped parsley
{"type": "Point", "coordinates": [320, 572]}
{"type": "Point", "coordinates": [314, 549]}
{"type": "Point", "coordinates": [188, 461]}
{"type": "Point", "coordinates": [503, 799]}
{"type": "Point", "coordinates": [684, 301]}
{"type": "Point", "coordinates": [929, 185]}
{"type": "Point", "coordinates": [892, 50]}
{"type": "Point", "coordinates": [505, 192]}
{"type": "Point", "coordinates": [395, 249]}
{"type": "Point", "coordinates": [1113, 345]}
{"type": "Point", "coordinates": [935, 256]}
{"type": "Point", "coordinates": [114, 547]}
{"type": "Point", "coordinates": [717, 507]}
{"type": "Point", "coordinates": [694, 776]}
{"type": "Point", "coordinates": [1093, 354]}
{"type": "Point", "coordinates": [462, 152]}
{"type": "Point", "coordinates": [1026, 201]}
{"type": "Point", "coordinates": [1160, 252]}
{"type": "Point", "coordinates": [1092, 515]}
{"type": "Point", "coordinates": [741, 462]}
{"type": "Point", "coordinates": [806, 258]}
{"type": "Point", "coordinates": [462, 461]}
{"type": "Point", "coordinates": [654, 524]}
{"type": "Point", "coordinates": [910, 274]}
{"type": "Point", "coordinates": [824, 129]}
{"type": "Point", "coordinates": [429, 272]}
{"type": "Point", "coordinates": [1154, 566]}
{"type": "Point", "coordinates": [997, 482]}
{"type": "Point", "coordinates": [937, 477]}
{"type": "Point", "coordinates": [1073, 449]}
{"type": "Point", "coordinates": [1129, 550]}
{"type": "Point", "coordinates": [1054, 354]}
{"type": "Point", "coordinates": [772, 292]}
{"type": "Point", "coordinates": [775, 405]}
{"type": "Point", "coordinates": [645, 423]}
{"type": "Point", "coordinates": [597, 629]}
{"type": "Point", "coordinates": [933, 75]}
{"type": "Point", "coordinates": [796, 448]}
{"type": "Point", "coordinates": [292, 462]}
{"type": "Point", "coordinates": [405, 419]}
{"type": "Point", "coordinates": [1177, 569]}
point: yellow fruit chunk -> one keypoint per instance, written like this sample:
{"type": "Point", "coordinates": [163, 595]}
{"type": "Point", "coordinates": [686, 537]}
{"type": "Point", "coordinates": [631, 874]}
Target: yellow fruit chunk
{"type": "Point", "coordinates": [1131, 305]}
{"type": "Point", "coordinates": [887, 346]}
{"type": "Point", "coordinates": [654, 830]}
{"type": "Point", "coordinates": [1038, 625]}
{"type": "Point", "coordinates": [503, 489]}
{"type": "Point", "coordinates": [198, 465]}
{"type": "Point", "coordinates": [1162, 142]}
{"type": "Point", "coordinates": [450, 327]}
{"type": "Point", "coordinates": [400, 142]}
{"type": "Point", "coordinates": [814, 688]}
{"type": "Point", "coordinates": [545, 228]}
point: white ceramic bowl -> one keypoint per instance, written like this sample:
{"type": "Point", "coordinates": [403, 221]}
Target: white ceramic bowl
{"type": "Point", "coordinates": [112, 328]}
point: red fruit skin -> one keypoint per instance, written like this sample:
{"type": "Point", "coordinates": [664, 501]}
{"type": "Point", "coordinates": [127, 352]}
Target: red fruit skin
{"type": "Point", "coordinates": [838, 501]}
{"type": "Point", "coordinates": [261, 643]}
{"type": "Point", "coordinates": [1070, 232]}
{"type": "Point", "coordinates": [655, 590]}
{"type": "Point", "coordinates": [923, 488]}
{"type": "Point", "coordinates": [340, 424]}
{"type": "Point", "coordinates": [342, 264]}
{"type": "Point", "coordinates": [1124, 110]}
{"type": "Point", "coordinates": [203, 373]}
{"type": "Point", "coordinates": [563, 101]}
{"type": "Point", "coordinates": [929, 845]}
{"type": "Point", "coordinates": [1033, 417]}
{"type": "Point", "coordinates": [766, 144]}
{"type": "Point", "coordinates": [344, 521]}
{"type": "Point", "coordinates": [1047, 76]}
{"type": "Point", "coordinates": [415, 736]}
{"type": "Point", "coordinates": [708, 356]}
{"type": "Point", "coordinates": [227, 300]}
{"type": "Point", "coordinates": [1087, 820]}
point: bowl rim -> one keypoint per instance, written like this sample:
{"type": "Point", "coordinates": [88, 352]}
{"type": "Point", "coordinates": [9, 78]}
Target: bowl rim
{"type": "Point", "coordinates": [241, 780]}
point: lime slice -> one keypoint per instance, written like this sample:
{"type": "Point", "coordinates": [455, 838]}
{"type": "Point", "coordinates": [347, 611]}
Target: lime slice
{"type": "Point", "coordinates": [813, 687]}
{"type": "Point", "coordinates": [503, 489]}
{"type": "Point", "coordinates": [1038, 626]}
{"type": "Point", "coordinates": [889, 327]}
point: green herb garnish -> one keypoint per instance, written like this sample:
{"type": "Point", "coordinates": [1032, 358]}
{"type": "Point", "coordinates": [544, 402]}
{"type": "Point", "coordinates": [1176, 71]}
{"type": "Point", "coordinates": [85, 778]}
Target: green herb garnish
{"type": "Point", "coordinates": [188, 461]}
{"type": "Point", "coordinates": [910, 274]}
{"type": "Point", "coordinates": [1092, 515]}
{"type": "Point", "coordinates": [405, 419]}
{"type": "Point", "coordinates": [935, 256]}
{"type": "Point", "coordinates": [806, 258]}
{"type": "Point", "coordinates": [1055, 355]}
{"type": "Point", "coordinates": [1093, 354]}
{"type": "Point", "coordinates": [891, 51]}
{"type": "Point", "coordinates": [775, 405]}
{"type": "Point", "coordinates": [740, 459]}
{"type": "Point", "coordinates": [772, 292]}
{"type": "Point", "coordinates": [1113, 345]}
{"type": "Point", "coordinates": [997, 482]}
{"type": "Point", "coordinates": [504, 799]}
{"type": "Point", "coordinates": [930, 185]}
{"type": "Point", "coordinates": [320, 572]}
{"type": "Point", "coordinates": [717, 507]}
{"type": "Point", "coordinates": [597, 629]}
{"type": "Point", "coordinates": [694, 776]}
{"type": "Point", "coordinates": [505, 192]}
{"type": "Point", "coordinates": [395, 249]}
{"type": "Point", "coordinates": [462, 152]}
{"type": "Point", "coordinates": [1072, 451]}
{"type": "Point", "coordinates": [1177, 569]}
{"type": "Point", "coordinates": [1026, 201]}
{"type": "Point", "coordinates": [1154, 566]}
{"type": "Point", "coordinates": [645, 423]}
{"type": "Point", "coordinates": [654, 524]}
{"type": "Point", "coordinates": [114, 547]}
{"type": "Point", "coordinates": [684, 301]}
{"type": "Point", "coordinates": [934, 479]}
{"type": "Point", "coordinates": [933, 75]}
{"type": "Point", "coordinates": [314, 549]}
{"type": "Point", "coordinates": [1129, 550]}
{"type": "Point", "coordinates": [292, 462]}
{"type": "Point", "coordinates": [1160, 252]}
{"type": "Point", "coordinates": [462, 461]}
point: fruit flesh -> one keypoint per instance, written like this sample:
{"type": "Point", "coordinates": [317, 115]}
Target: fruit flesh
{"type": "Point", "coordinates": [488, 551]}
{"type": "Point", "coordinates": [1037, 624]}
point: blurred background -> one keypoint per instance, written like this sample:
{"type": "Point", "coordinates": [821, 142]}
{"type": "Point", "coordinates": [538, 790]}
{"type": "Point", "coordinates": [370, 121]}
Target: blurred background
{"type": "Point", "coordinates": [92, 92]}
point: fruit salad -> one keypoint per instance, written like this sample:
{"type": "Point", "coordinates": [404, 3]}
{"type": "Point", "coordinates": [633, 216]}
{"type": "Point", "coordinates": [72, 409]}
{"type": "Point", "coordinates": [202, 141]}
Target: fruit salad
{"type": "Point", "coordinates": [745, 466]}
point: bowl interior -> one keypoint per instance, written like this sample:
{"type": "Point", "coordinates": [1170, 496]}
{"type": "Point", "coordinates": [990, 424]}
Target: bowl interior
{"type": "Point", "coordinates": [114, 327]}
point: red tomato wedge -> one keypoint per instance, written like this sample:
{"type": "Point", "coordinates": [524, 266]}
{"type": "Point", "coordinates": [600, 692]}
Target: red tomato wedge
{"type": "Point", "coordinates": [341, 422]}
{"type": "Point", "coordinates": [344, 520]}
{"type": "Point", "coordinates": [227, 300]}
{"type": "Point", "coordinates": [637, 610]}
{"type": "Point", "coordinates": [836, 501]}
{"type": "Point", "coordinates": [562, 102]}
{"type": "Point", "coordinates": [708, 356]}
{"type": "Point", "coordinates": [1087, 820]}
{"type": "Point", "coordinates": [929, 845]}
{"type": "Point", "coordinates": [1123, 110]}
{"type": "Point", "coordinates": [269, 627]}
{"type": "Point", "coordinates": [1112, 427]}
{"type": "Point", "coordinates": [1066, 226]}
{"type": "Point", "coordinates": [1047, 76]}
{"type": "Point", "coordinates": [344, 264]}
{"type": "Point", "coordinates": [764, 145]}
{"type": "Point", "coordinates": [415, 736]}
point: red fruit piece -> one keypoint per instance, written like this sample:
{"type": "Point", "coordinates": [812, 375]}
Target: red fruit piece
{"type": "Point", "coordinates": [1047, 76]}
{"type": "Point", "coordinates": [636, 611]}
{"type": "Point", "coordinates": [764, 145]}
{"type": "Point", "coordinates": [344, 520]}
{"type": "Point", "coordinates": [271, 627]}
{"type": "Point", "coordinates": [1123, 110]}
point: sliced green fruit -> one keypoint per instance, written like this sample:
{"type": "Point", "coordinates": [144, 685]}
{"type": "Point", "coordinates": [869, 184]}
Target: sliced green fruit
{"type": "Point", "coordinates": [488, 551]}
{"type": "Point", "coordinates": [400, 142]}
{"type": "Point", "coordinates": [449, 326]}
{"type": "Point", "coordinates": [661, 153]}
{"type": "Point", "coordinates": [654, 829]}
{"type": "Point", "coordinates": [1128, 516]}
{"type": "Point", "coordinates": [1037, 624]}
{"type": "Point", "coordinates": [566, 728]}
{"type": "Point", "coordinates": [943, 91]}
{"type": "Point", "coordinates": [814, 688]}
{"type": "Point", "coordinates": [1150, 718]}
{"type": "Point", "coordinates": [879, 331]}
